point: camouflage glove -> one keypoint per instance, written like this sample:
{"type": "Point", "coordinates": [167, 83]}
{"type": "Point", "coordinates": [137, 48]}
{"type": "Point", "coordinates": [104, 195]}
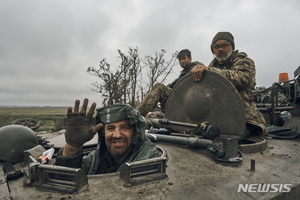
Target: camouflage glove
{"type": "Point", "coordinates": [78, 129]}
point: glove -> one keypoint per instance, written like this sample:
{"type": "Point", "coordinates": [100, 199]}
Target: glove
{"type": "Point", "coordinates": [78, 129]}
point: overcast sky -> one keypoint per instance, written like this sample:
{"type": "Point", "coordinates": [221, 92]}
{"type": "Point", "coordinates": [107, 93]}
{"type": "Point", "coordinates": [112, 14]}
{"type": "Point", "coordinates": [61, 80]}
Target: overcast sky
{"type": "Point", "coordinates": [46, 46]}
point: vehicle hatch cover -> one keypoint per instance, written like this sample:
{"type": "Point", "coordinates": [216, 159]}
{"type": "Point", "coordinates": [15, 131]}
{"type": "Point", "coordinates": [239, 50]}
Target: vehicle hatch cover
{"type": "Point", "coordinates": [213, 99]}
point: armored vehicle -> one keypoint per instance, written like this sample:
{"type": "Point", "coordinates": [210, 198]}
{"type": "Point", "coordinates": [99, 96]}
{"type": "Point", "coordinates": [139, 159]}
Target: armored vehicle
{"type": "Point", "coordinates": [205, 153]}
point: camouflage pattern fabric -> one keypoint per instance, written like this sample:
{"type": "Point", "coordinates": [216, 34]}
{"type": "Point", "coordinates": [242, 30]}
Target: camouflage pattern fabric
{"type": "Point", "coordinates": [240, 71]}
{"type": "Point", "coordinates": [155, 115]}
{"type": "Point", "coordinates": [158, 93]}
{"type": "Point", "coordinates": [264, 96]}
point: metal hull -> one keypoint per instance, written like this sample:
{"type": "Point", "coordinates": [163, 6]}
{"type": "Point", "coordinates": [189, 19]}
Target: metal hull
{"type": "Point", "coordinates": [192, 174]}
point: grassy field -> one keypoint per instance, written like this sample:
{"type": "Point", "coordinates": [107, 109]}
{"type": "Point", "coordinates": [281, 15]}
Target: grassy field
{"type": "Point", "coordinates": [45, 115]}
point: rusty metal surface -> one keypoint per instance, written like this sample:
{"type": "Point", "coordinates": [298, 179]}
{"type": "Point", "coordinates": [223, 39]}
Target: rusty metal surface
{"type": "Point", "coordinates": [213, 99]}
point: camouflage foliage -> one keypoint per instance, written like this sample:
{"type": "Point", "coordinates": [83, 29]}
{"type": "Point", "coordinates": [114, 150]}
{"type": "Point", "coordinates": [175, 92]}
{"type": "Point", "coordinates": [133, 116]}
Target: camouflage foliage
{"type": "Point", "coordinates": [263, 95]}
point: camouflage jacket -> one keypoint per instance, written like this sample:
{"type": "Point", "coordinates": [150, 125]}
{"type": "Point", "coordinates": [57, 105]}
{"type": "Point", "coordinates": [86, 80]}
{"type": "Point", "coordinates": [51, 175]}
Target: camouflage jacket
{"type": "Point", "coordinates": [185, 71]}
{"type": "Point", "coordinates": [240, 71]}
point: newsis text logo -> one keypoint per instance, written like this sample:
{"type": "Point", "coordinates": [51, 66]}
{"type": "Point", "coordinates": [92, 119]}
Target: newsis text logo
{"type": "Point", "coordinates": [264, 187]}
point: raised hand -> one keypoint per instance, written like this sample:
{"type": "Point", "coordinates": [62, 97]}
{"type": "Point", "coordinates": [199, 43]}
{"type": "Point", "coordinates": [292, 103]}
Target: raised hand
{"type": "Point", "coordinates": [78, 129]}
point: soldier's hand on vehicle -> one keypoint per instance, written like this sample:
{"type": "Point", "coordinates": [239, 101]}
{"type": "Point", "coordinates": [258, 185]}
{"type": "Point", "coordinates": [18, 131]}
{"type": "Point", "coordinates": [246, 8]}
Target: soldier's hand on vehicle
{"type": "Point", "coordinates": [78, 129]}
{"type": "Point", "coordinates": [197, 72]}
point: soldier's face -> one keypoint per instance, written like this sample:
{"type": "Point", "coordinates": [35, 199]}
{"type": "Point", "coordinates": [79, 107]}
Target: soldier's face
{"type": "Point", "coordinates": [118, 137]}
{"type": "Point", "coordinates": [184, 61]}
{"type": "Point", "coordinates": [222, 50]}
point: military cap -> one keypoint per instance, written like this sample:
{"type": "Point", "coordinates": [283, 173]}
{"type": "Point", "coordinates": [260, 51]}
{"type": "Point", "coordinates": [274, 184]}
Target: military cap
{"type": "Point", "coordinates": [223, 36]}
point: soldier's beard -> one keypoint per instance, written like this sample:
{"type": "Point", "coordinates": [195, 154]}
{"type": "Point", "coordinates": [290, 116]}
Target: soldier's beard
{"type": "Point", "coordinates": [224, 58]}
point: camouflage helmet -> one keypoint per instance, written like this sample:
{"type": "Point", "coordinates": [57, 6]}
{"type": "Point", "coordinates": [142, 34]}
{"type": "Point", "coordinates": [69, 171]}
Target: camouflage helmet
{"type": "Point", "coordinates": [14, 139]}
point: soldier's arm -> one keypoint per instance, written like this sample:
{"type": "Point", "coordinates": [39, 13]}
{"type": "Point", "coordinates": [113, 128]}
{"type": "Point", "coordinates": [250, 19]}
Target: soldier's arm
{"type": "Point", "coordinates": [69, 161]}
{"type": "Point", "coordinates": [197, 71]}
{"type": "Point", "coordinates": [241, 75]}
{"type": "Point", "coordinates": [76, 161]}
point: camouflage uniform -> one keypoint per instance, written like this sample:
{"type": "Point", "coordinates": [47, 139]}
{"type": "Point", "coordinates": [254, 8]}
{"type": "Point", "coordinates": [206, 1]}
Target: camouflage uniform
{"type": "Point", "coordinates": [264, 96]}
{"type": "Point", "coordinates": [160, 92]}
{"type": "Point", "coordinates": [240, 71]}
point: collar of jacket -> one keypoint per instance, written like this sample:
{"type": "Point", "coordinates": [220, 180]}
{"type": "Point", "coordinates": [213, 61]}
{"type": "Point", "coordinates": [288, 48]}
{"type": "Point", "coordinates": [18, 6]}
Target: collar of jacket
{"type": "Point", "coordinates": [133, 151]}
{"type": "Point", "coordinates": [192, 64]}
{"type": "Point", "coordinates": [229, 61]}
